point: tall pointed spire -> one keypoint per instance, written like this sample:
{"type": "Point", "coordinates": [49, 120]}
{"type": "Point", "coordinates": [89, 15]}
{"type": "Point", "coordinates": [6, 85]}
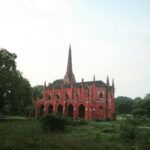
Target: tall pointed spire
{"type": "Point", "coordinates": [69, 76]}
{"type": "Point", "coordinates": [69, 65]}
{"type": "Point", "coordinates": [107, 82]}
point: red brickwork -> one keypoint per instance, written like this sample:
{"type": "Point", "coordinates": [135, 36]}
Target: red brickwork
{"type": "Point", "coordinates": [88, 100]}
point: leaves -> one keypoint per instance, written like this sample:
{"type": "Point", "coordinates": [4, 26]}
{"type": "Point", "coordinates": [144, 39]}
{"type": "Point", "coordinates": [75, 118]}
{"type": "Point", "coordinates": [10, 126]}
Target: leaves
{"type": "Point", "coordinates": [15, 90]}
{"type": "Point", "coordinates": [123, 105]}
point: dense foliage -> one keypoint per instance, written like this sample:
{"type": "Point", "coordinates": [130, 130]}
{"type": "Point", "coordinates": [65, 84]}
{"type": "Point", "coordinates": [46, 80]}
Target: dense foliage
{"type": "Point", "coordinates": [15, 90]}
{"type": "Point", "coordinates": [138, 107]}
{"type": "Point", "coordinates": [129, 128]}
{"type": "Point", "coordinates": [56, 83]}
{"type": "Point", "coordinates": [52, 122]}
{"type": "Point", "coordinates": [123, 105]}
{"type": "Point", "coordinates": [141, 107]}
{"type": "Point", "coordinates": [37, 92]}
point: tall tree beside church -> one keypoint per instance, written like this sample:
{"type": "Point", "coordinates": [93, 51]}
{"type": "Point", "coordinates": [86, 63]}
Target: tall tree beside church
{"type": "Point", "coordinates": [37, 92]}
{"type": "Point", "coordinates": [123, 105]}
{"type": "Point", "coordinates": [141, 107]}
{"type": "Point", "coordinates": [15, 91]}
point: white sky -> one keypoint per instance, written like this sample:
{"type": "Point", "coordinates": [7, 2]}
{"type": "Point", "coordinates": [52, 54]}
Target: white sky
{"type": "Point", "coordinates": [107, 38]}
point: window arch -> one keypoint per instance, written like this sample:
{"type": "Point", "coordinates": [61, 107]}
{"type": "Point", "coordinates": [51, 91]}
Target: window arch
{"type": "Point", "coordinates": [60, 109]}
{"type": "Point", "coordinates": [81, 111]}
{"type": "Point", "coordinates": [77, 95]}
{"type": "Point", "coordinates": [101, 95]}
{"type": "Point", "coordinates": [49, 96]}
{"type": "Point", "coordinates": [100, 107]}
{"type": "Point", "coordinates": [66, 96]}
{"type": "Point", "coordinates": [70, 110]}
{"type": "Point", "coordinates": [50, 109]}
{"type": "Point", "coordinates": [57, 96]}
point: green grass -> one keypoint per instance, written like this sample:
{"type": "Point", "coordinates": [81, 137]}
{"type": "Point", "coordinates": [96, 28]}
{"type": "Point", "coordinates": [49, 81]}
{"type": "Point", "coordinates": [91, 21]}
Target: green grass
{"type": "Point", "coordinates": [26, 134]}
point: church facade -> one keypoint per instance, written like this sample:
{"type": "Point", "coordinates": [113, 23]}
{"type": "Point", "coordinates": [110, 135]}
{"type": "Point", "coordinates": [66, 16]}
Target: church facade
{"type": "Point", "coordinates": [88, 100]}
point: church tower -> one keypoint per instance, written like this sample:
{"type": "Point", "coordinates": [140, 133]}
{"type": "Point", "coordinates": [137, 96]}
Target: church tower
{"type": "Point", "coordinates": [69, 76]}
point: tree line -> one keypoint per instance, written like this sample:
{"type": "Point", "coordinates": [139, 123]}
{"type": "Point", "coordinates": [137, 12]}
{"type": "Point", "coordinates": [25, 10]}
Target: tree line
{"type": "Point", "coordinates": [138, 107]}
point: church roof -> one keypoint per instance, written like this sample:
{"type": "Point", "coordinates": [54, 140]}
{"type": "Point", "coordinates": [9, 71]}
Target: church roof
{"type": "Point", "coordinates": [77, 85]}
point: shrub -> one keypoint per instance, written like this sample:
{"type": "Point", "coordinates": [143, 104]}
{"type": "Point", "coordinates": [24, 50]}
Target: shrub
{"type": "Point", "coordinates": [73, 122]}
{"type": "Point", "coordinates": [143, 140]}
{"type": "Point", "coordinates": [139, 112]}
{"type": "Point", "coordinates": [2, 114]}
{"type": "Point", "coordinates": [52, 122]}
{"type": "Point", "coordinates": [128, 128]}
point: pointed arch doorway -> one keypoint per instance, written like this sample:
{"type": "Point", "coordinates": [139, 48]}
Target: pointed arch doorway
{"type": "Point", "coordinates": [81, 111]}
{"type": "Point", "coordinates": [60, 109]}
{"type": "Point", "coordinates": [70, 111]}
{"type": "Point", "coordinates": [50, 109]}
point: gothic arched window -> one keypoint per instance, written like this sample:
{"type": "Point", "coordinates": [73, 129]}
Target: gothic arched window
{"type": "Point", "coordinates": [100, 95]}
{"type": "Point", "coordinates": [49, 96]}
{"type": "Point", "coordinates": [57, 96]}
{"type": "Point", "coordinates": [66, 96]}
{"type": "Point", "coordinates": [77, 96]}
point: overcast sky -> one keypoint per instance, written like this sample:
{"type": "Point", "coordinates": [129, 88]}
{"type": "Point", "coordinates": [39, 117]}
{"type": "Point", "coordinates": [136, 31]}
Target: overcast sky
{"type": "Point", "coordinates": [108, 37]}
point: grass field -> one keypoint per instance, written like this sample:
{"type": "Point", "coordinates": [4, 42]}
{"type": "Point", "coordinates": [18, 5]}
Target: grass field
{"type": "Point", "coordinates": [26, 134]}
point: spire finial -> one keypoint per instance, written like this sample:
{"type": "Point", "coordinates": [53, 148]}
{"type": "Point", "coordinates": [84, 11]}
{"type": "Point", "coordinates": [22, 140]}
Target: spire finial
{"type": "Point", "coordinates": [69, 77]}
{"type": "Point", "coordinates": [107, 82]}
{"type": "Point", "coordinates": [82, 82]}
{"type": "Point", "coordinates": [113, 85]}
{"type": "Point", "coordinates": [45, 85]}
{"type": "Point", "coordinates": [69, 65]}
{"type": "Point", "coordinates": [94, 78]}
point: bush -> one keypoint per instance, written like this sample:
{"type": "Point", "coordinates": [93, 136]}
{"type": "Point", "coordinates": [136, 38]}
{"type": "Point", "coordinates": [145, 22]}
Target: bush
{"type": "Point", "coordinates": [2, 114]}
{"type": "Point", "coordinates": [52, 122]}
{"type": "Point", "coordinates": [143, 140]}
{"type": "Point", "coordinates": [73, 122]}
{"type": "Point", "coordinates": [139, 112]}
{"type": "Point", "coordinates": [128, 128]}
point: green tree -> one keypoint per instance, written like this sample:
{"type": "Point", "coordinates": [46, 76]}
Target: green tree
{"type": "Point", "coordinates": [123, 105]}
{"type": "Point", "coordinates": [15, 91]}
{"type": "Point", "coordinates": [56, 83]}
{"type": "Point", "coordinates": [141, 107]}
{"type": "Point", "coordinates": [7, 74]}
{"type": "Point", "coordinates": [37, 91]}
{"type": "Point", "coordinates": [146, 104]}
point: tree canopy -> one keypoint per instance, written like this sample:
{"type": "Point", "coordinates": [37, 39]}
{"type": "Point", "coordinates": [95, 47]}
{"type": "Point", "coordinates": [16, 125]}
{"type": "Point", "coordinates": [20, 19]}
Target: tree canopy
{"type": "Point", "coordinates": [123, 105]}
{"type": "Point", "coordinates": [37, 91]}
{"type": "Point", "coordinates": [138, 107]}
{"type": "Point", "coordinates": [141, 107]}
{"type": "Point", "coordinates": [15, 90]}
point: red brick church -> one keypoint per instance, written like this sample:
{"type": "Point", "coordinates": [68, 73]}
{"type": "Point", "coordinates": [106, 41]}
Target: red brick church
{"type": "Point", "coordinates": [89, 100]}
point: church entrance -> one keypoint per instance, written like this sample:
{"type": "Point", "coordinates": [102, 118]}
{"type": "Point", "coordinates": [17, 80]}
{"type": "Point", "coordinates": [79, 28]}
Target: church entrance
{"type": "Point", "coordinates": [50, 109]}
{"type": "Point", "coordinates": [70, 111]}
{"type": "Point", "coordinates": [60, 109]}
{"type": "Point", "coordinates": [81, 111]}
{"type": "Point", "coordinates": [41, 110]}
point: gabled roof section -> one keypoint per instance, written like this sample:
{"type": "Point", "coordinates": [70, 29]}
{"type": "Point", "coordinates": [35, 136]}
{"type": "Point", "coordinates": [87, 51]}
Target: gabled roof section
{"type": "Point", "coordinates": [78, 85]}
